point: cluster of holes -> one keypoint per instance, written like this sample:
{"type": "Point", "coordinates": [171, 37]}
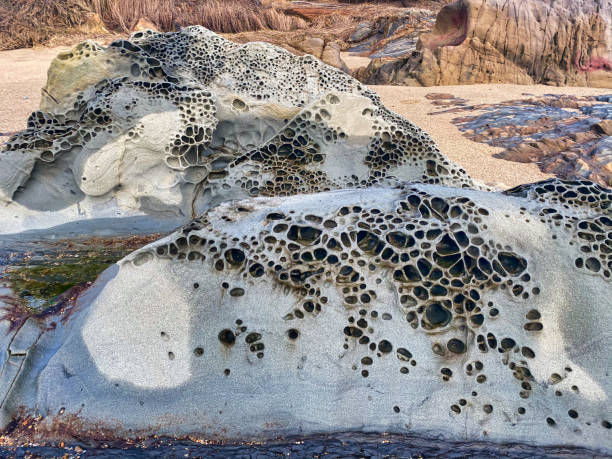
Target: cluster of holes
{"type": "Point", "coordinates": [162, 63]}
{"type": "Point", "coordinates": [590, 234]}
{"type": "Point", "coordinates": [441, 263]}
{"type": "Point", "coordinates": [50, 135]}
{"type": "Point", "coordinates": [228, 337]}
{"type": "Point", "coordinates": [440, 260]}
{"type": "Point", "coordinates": [201, 55]}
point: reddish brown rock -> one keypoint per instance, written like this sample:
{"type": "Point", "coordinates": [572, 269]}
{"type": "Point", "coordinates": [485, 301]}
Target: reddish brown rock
{"type": "Point", "coordinates": [557, 42]}
{"type": "Point", "coordinates": [145, 24]}
{"type": "Point", "coordinates": [313, 45]}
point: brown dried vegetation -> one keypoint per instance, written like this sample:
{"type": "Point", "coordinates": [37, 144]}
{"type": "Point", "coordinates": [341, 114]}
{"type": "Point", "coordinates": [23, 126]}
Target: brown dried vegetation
{"type": "Point", "coordinates": [218, 15]}
{"type": "Point", "coordinates": [27, 23]}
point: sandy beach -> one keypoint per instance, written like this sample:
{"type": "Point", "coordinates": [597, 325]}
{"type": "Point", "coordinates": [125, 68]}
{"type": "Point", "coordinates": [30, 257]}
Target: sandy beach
{"type": "Point", "coordinates": [26, 73]}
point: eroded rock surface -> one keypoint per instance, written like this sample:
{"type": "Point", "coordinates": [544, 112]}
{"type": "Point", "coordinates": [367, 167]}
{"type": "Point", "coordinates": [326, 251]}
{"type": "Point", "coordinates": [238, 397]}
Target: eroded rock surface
{"type": "Point", "coordinates": [391, 36]}
{"type": "Point", "coordinates": [167, 125]}
{"type": "Point", "coordinates": [567, 136]}
{"type": "Point", "coordinates": [498, 41]}
{"type": "Point", "coordinates": [416, 309]}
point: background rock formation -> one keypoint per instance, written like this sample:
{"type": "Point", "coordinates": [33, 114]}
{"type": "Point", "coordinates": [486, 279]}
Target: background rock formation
{"type": "Point", "coordinates": [537, 41]}
{"type": "Point", "coordinates": [564, 135]}
{"type": "Point", "coordinates": [420, 309]}
{"type": "Point", "coordinates": [166, 125]}
{"type": "Point", "coordinates": [391, 35]}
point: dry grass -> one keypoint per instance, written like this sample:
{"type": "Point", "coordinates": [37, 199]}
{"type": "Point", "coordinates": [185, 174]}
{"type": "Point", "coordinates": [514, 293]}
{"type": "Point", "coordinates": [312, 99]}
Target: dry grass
{"type": "Point", "coordinates": [224, 16]}
{"type": "Point", "coordinates": [235, 16]}
{"type": "Point", "coordinates": [122, 15]}
{"type": "Point", "coordinates": [400, 2]}
{"type": "Point", "coordinates": [27, 23]}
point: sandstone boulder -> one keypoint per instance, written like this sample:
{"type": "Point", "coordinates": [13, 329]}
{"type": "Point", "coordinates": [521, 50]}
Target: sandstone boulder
{"type": "Point", "coordinates": [313, 46]}
{"type": "Point", "coordinates": [463, 315]}
{"type": "Point", "coordinates": [328, 52]}
{"type": "Point", "coordinates": [331, 56]}
{"type": "Point", "coordinates": [163, 126]}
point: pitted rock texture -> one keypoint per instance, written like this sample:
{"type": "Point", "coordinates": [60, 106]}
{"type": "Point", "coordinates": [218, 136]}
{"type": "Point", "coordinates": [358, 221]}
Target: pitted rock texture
{"type": "Point", "coordinates": [413, 309]}
{"type": "Point", "coordinates": [167, 125]}
{"type": "Point", "coordinates": [499, 41]}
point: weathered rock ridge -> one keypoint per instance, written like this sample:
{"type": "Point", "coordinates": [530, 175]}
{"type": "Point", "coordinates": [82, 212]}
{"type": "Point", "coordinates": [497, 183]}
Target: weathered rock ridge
{"type": "Point", "coordinates": [164, 126]}
{"type": "Point", "coordinates": [499, 41]}
{"type": "Point", "coordinates": [421, 309]}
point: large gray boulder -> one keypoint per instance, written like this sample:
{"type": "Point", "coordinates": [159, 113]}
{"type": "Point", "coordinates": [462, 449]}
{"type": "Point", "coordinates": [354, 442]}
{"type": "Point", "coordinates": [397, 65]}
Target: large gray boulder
{"type": "Point", "coordinates": [436, 311]}
{"type": "Point", "coordinates": [153, 131]}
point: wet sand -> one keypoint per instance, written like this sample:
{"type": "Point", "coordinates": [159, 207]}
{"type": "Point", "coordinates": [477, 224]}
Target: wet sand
{"type": "Point", "coordinates": [26, 72]}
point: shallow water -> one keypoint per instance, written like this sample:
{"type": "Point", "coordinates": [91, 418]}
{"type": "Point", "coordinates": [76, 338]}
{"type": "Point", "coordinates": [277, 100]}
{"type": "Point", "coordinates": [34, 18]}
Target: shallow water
{"type": "Point", "coordinates": [346, 445]}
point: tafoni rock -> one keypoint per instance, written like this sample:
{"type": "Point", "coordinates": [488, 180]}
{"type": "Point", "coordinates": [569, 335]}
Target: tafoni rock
{"type": "Point", "coordinates": [557, 42]}
{"type": "Point", "coordinates": [357, 281]}
{"type": "Point", "coordinates": [155, 130]}
{"type": "Point", "coordinates": [443, 312]}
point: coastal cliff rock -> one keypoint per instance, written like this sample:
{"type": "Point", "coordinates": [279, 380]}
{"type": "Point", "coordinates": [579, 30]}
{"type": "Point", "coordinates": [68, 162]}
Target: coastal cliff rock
{"type": "Point", "coordinates": [497, 41]}
{"type": "Point", "coordinates": [164, 126]}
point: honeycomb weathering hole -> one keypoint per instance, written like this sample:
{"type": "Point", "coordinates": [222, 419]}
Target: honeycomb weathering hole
{"type": "Point", "coordinates": [218, 131]}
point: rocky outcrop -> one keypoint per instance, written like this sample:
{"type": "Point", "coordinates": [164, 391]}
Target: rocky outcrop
{"type": "Point", "coordinates": [567, 136]}
{"type": "Point", "coordinates": [418, 309]}
{"type": "Point", "coordinates": [328, 52]}
{"type": "Point", "coordinates": [164, 126]}
{"type": "Point", "coordinates": [344, 276]}
{"type": "Point", "coordinates": [497, 41]}
{"type": "Point", "coordinates": [395, 35]}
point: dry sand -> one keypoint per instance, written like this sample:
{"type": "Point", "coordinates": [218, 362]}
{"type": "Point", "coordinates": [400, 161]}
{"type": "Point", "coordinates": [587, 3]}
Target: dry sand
{"type": "Point", "coordinates": [354, 61]}
{"type": "Point", "coordinates": [476, 158]}
{"type": "Point", "coordinates": [25, 72]}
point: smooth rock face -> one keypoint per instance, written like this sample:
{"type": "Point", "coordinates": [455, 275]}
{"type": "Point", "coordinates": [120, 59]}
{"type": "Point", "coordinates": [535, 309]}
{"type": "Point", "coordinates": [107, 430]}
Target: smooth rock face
{"type": "Point", "coordinates": [419, 309]}
{"type": "Point", "coordinates": [498, 41]}
{"type": "Point", "coordinates": [167, 125]}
